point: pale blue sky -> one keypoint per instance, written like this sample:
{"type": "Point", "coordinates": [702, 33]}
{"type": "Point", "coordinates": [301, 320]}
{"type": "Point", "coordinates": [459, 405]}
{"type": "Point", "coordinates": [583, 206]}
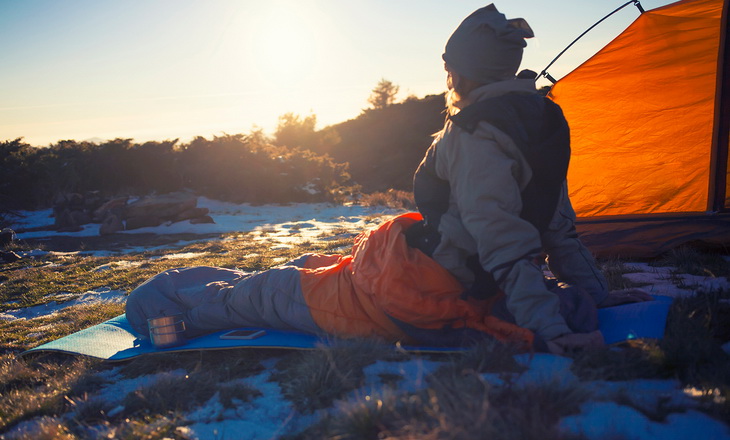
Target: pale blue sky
{"type": "Point", "coordinates": [165, 69]}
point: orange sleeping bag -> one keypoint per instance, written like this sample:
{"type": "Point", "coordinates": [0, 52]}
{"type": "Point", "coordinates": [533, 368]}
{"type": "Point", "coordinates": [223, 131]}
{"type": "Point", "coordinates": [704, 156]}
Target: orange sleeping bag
{"type": "Point", "coordinates": [389, 290]}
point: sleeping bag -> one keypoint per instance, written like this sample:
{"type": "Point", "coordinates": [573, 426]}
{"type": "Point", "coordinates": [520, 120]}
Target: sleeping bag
{"type": "Point", "coordinates": [384, 289]}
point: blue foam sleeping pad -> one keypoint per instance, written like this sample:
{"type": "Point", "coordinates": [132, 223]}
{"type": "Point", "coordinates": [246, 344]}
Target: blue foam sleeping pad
{"type": "Point", "coordinates": [631, 321]}
{"type": "Point", "coordinates": [114, 340]}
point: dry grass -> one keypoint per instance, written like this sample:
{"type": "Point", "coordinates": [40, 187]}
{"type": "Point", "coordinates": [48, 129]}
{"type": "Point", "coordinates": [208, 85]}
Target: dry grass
{"type": "Point", "coordinates": [636, 359]}
{"type": "Point", "coordinates": [20, 335]}
{"type": "Point", "coordinates": [314, 379]}
{"type": "Point", "coordinates": [45, 428]}
{"type": "Point", "coordinates": [455, 407]}
{"type": "Point", "coordinates": [488, 356]}
{"type": "Point", "coordinates": [55, 396]}
{"type": "Point", "coordinates": [696, 328]}
{"type": "Point", "coordinates": [614, 269]}
{"type": "Point", "coordinates": [692, 261]}
{"type": "Point", "coordinates": [177, 393]}
{"type": "Point", "coordinates": [41, 387]}
{"type": "Point", "coordinates": [392, 198]}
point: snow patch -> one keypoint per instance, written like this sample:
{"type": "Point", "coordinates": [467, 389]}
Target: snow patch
{"type": "Point", "coordinates": [655, 395]}
{"type": "Point", "coordinates": [265, 417]}
{"type": "Point", "coordinates": [665, 281]}
{"type": "Point", "coordinates": [180, 256]}
{"type": "Point", "coordinates": [413, 375]}
{"type": "Point", "coordinates": [611, 420]}
{"type": "Point", "coordinates": [67, 300]}
{"type": "Point", "coordinates": [118, 265]}
{"type": "Point", "coordinates": [545, 368]}
{"type": "Point", "coordinates": [279, 224]}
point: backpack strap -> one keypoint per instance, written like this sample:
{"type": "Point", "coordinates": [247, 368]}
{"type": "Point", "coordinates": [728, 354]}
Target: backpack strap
{"type": "Point", "coordinates": [539, 129]}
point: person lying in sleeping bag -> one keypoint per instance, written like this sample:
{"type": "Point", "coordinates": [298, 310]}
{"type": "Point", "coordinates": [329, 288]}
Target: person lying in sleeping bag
{"type": "Point", "coordinates": [492, 196]}
{"type": "Point", "coordinates": [385, 289]}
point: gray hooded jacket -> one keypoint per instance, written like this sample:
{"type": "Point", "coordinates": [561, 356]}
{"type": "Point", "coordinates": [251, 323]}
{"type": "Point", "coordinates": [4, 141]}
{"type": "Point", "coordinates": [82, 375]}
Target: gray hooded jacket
{"type": "Point", "coordinates": [487, 173]}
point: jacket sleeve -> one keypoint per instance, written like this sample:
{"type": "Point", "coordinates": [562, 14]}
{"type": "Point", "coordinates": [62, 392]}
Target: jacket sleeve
{"type": "Point", "coordinates": [486, 177]}
{"type": "Point", "coordinates": [568, 259]}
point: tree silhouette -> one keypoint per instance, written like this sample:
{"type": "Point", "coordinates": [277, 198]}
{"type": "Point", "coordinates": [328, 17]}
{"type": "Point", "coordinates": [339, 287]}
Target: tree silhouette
{"type": "Point", "coordinates": [383, 94]}
{"type": "Point", "coordinates": [385, 146]}
{"type": "Point", "coordinates": [295, 131]}
{"type": "Point", "coordinates": [378, 150]}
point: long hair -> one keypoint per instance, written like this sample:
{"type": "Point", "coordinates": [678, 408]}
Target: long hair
{"type": "Point", "coordinates": [459, 89]}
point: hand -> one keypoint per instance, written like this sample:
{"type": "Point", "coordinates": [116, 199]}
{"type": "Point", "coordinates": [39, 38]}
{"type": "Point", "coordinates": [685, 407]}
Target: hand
{"type": "Point", "coordinates": [625, 296]}
{"type": "Point", "coordinates": [575, 342]}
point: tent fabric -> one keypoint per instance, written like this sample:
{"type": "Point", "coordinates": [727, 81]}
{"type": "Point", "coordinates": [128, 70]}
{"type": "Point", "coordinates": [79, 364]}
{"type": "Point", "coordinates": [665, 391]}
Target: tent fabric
{"type": "Point", "coordinates": [641, 113]}
{"type": "Point", "coordinates": [646, 238]}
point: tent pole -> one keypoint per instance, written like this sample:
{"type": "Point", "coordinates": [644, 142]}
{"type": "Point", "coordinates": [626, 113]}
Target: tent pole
{"type": "Point", "coordinates": [545, 72]}
{"type": "Point", "coordinates": [721, 128]}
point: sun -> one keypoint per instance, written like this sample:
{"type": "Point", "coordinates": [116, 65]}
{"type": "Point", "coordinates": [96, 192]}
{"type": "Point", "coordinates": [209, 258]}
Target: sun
{"type": "Point", "coordinates": [285, 43]}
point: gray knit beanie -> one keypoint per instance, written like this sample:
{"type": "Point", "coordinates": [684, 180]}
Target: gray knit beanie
{"type": "Point", "coordinates": [486, 47]}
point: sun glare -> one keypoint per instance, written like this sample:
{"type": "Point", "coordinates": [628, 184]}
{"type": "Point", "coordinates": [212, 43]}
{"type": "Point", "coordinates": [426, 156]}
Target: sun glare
{"type": "Point", "coordinates": [284, 44]}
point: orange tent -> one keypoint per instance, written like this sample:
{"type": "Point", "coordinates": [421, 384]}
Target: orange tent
{"type": "Point", "coordinates": [649, 123]}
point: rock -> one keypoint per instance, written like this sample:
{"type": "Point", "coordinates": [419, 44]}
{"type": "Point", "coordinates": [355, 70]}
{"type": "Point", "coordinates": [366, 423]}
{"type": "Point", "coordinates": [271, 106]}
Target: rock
{"type": "Point", "coordinates": [75, 199]}
{"type": "Point", "coordinates": [79, 217]}
{"type": "Point", "coordinates": [113, 206]}
{"type": "Point", "coordinates": [191, 214]}
{"type": "Point", "coordinates": [72, 210]}
{"type": "Point", "coordinates": [7, 236]}
{"type": "Point", "coordinates": [9, 257]}
{"type": "Point", "coordinates": [143, 221]}
{"type": "Point", "coordinates": [62, 217]}
{"type": "Point", "coordinates": [110, 225]}
{"type": "Point", "coordinates": [203, 219]}
{"type": "Point", "coordinates": [59, 199]}
{"type": "Point", "coordinates": [166, 206]}
{"type": "Point", "coordinates": [92, 201]}
{"type": "Point", "coordinates": [65, 222]}
{"type": "Point", "coordinates": [68, 199]}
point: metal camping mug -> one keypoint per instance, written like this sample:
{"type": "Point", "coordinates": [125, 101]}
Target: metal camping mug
{"type": "Point", "coordinates": [167, 331]}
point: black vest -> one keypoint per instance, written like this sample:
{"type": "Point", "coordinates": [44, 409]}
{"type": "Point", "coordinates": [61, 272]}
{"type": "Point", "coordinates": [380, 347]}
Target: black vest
{"type": "Point", "coordinates": [538, 128]}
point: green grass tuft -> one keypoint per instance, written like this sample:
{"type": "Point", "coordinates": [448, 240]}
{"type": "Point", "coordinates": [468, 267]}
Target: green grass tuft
{"type": "Point", "coordinates": [465, 407]}
{"type": "Point", "coordinates": [313, 379]}
{"type": "Point", "coordinates": [635, 359]}
{"type": "Point", "coordinates": [697, 327]}
{"type": "Point", "coordinates": [58, 396]}
{"type": "Point", "coordinates": [488, 356]}
{"type": "Point", "coordinates": [392, 198]}
{"type": "Point", "coordinates": [39, 387]}
{"type": "Point", "coordinates": [614, 269]}
{"type": "Point", "coordinates": [693, 261]}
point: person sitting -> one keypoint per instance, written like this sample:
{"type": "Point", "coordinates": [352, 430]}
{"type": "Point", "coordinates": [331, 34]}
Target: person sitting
{"type": "Point", "coordinates": [492, 198]}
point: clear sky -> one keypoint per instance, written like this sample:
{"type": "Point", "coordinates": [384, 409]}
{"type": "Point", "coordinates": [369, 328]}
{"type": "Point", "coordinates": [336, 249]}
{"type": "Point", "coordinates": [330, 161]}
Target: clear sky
{"type": "Point", "coordinates": [166, 69]}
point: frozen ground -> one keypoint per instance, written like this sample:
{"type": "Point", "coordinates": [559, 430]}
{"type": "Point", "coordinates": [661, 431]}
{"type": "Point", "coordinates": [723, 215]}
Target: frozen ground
{"type": "Point", "coordinates": [283, 224]}
{"type": "Point", "coordinates": [270, 415]}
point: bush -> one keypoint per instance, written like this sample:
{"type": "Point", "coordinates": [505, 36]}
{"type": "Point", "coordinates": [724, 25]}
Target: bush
{"type": "Point", "coordinates": [237, 168]}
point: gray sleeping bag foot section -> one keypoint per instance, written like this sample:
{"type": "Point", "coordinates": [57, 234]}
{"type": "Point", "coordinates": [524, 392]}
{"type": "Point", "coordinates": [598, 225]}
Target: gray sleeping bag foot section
{"type": "Point", "coordinates": [212, 299]}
